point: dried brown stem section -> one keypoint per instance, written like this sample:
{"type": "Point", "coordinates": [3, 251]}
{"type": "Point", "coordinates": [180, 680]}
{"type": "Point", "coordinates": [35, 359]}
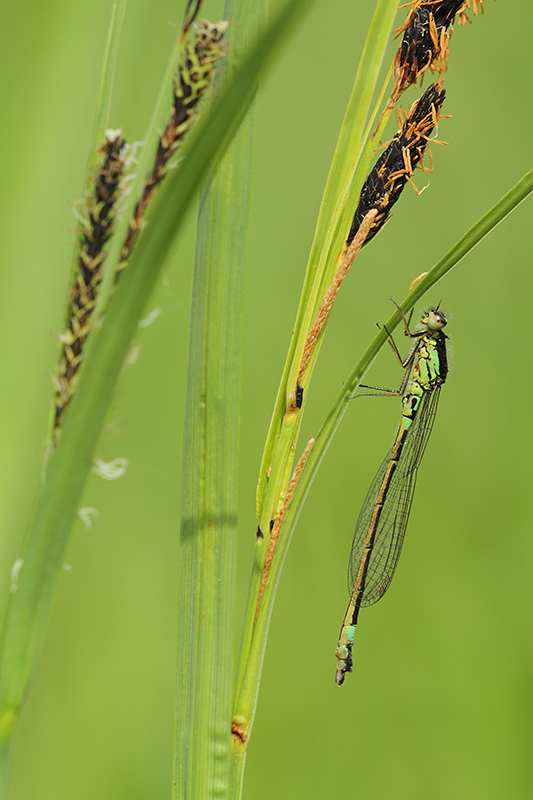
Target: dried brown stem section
{"type": "Point", "coordinates": [191, 12]}
{"type": "Point", "coordinates": [329, 298]}
{"type": "Point", "coordinates": [419, 278]}
{"type": "Point", "coordinates": [274, 533]}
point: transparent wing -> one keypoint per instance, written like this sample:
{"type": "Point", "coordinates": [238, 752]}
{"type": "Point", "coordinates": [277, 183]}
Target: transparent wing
{"type": "Point", "coordinates": [396, 507]}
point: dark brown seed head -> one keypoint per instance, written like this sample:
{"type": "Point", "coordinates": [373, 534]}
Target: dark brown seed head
{"type": "Point", "coordinates": [425, 41]}
{"type": "Point", "coordinates": [398, 161]}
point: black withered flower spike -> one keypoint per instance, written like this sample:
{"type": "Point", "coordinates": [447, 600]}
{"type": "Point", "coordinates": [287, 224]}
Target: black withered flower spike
{"type": "Point", "coordinates": [398, 161]}
{"type": "Point", "coordinates": [100, 215]}
{"type": "Point", "coordinates": [425, 41]}
{"type": "Point", "coordinates": [447, 8]}
{"type": "Point", "coordinates": [446, 11]}
{"type": "Point", "coordinates": [193, 78]}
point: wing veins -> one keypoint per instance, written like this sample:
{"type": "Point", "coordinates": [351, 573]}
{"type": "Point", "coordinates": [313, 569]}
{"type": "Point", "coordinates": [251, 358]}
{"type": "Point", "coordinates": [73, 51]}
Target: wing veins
{"type": "Point", "coordinates": [394, 516]}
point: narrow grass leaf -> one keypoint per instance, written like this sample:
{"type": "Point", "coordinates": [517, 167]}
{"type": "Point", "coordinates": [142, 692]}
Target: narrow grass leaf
{"type": "Point", "coordinates": [471, 238]}
{"type": "Point", "coordinates": [283, 432]}
{"type": "Point", "coordinates": [30, 606]}
{"type": "Point", "coordinates": [328, 240]}
{"type": "Point", "coordinates": [103, 102]}
{"type": "Point", "coordinates": [208, 541]}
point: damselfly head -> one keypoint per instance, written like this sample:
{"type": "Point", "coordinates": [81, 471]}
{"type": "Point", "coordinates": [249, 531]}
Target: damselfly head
{"type": "Point", "coordinates": [433, 319]}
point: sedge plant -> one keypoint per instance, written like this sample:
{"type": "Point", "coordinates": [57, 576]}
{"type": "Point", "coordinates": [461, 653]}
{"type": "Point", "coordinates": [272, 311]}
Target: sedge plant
{"type": "Point", "coordinates": [126, 233]}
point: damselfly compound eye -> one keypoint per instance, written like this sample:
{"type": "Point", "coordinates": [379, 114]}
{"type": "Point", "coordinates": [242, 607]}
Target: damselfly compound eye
{"type": "Point", "coordinates": [436, 320]}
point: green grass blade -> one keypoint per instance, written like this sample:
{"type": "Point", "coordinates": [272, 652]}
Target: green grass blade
{"type": "Point", "coordinates": [30, 607]}
{"type": "Point", "coordinates": [103, 102]}
{"type": "Point", "coordinates": [353, 125]}
{"type": "Point", "coordinates": [471, 238]}
{"type": "Point", "coordinates": [208, 541]}
{"type": "Point", "coordinates": [145, 162]}
{"type": "Point", "coordinates": [330, 233]}
{"type": "Point", "coordinates": [284, 427]}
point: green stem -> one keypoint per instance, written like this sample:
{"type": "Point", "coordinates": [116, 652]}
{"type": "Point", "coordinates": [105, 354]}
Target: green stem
{"type": "Point", "coordinates": [208, 540]}
{"type": "Point", "coordinates": [471, 238]}
{"type": "Point", "coordinates": [146, 159]}
{"type": "Point", "coordinates": [30, 606]}
{"type": "Point", "coordinates": [250, 671]}
{"type": "Point", "coordinates": [103, 103]}
{"type": "Point", "coordinates": [286, 420]}
{"type": "Point", "coordinates": [9, 715]}
{"type": "Point", "coordinates": [338, 206]}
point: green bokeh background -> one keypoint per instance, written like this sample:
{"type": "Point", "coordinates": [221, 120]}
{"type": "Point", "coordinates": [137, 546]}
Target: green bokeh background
{"type": "Point", "coordinates": [441, 699]}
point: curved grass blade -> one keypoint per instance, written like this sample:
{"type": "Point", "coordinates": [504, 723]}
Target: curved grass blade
{"type": "Point", "coordinates": [330, 232]}
{"type": "Point", "coordinates": [471, 238]}
{"type": "Point", "coordinates": [103, 102]}
{"type": "Point", "coordinates": [30, 607]}
{"type": "Point", "coordinates": [284, 428]}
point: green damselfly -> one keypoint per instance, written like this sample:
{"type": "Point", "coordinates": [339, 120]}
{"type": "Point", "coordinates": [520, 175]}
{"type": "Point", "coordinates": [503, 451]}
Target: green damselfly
{"type": "Point", "coordinates": [380, 529]}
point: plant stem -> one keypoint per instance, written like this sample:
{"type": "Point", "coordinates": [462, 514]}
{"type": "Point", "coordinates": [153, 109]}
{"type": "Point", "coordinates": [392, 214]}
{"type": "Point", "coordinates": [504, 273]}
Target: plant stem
{"type": "Point", "coordinates": [280, 445]}
{"type": "Point", "coordinates": [466, 243]}
{"type": "Point", "coordinates": [208, 539]}
{"type": "Point", "coordinates": [250, 670]}
{"type": "Point", "coordinates": [338, 205]}
{"type": "Point", "coordinates": [30, 607]}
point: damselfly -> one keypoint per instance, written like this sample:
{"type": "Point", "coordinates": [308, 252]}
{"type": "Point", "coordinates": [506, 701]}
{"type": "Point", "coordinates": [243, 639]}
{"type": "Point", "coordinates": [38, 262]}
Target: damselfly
{"type": "Point", "coordinates": [380, 529]}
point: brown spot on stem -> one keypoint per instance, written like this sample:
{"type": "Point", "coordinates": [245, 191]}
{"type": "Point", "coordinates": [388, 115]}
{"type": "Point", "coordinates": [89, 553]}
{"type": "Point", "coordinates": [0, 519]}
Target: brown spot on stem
{"type": "Point", "coordinates": [239, 732]}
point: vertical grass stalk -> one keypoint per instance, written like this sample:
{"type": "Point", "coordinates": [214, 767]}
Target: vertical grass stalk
{"type": "Point", "coordinates": [103, 103]}
{"type": "Point", "coordinates": [330, 259]}
{"type": "Point", "coordinates": [208, 540]}
{"type": "Point", "coordinates": [32, 600]}
{"type": "Point", "coordinates": [280, 445]}
{"type": "Point", "coordinates": [333, 222]}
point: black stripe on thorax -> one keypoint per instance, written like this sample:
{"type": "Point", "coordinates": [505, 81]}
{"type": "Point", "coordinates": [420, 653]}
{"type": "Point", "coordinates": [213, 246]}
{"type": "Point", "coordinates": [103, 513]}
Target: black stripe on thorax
{"type": "Point", "coordinates": [440, 345]}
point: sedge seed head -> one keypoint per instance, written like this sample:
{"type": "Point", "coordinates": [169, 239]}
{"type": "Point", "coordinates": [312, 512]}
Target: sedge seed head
{"type": "Point", "coordinates": [398, 161]}
{"type": "Point", "coordinates": [425, 41]}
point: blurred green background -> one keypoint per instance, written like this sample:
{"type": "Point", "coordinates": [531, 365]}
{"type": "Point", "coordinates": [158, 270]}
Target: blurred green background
{"type": "Point", "coordinates": [440, 703]}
